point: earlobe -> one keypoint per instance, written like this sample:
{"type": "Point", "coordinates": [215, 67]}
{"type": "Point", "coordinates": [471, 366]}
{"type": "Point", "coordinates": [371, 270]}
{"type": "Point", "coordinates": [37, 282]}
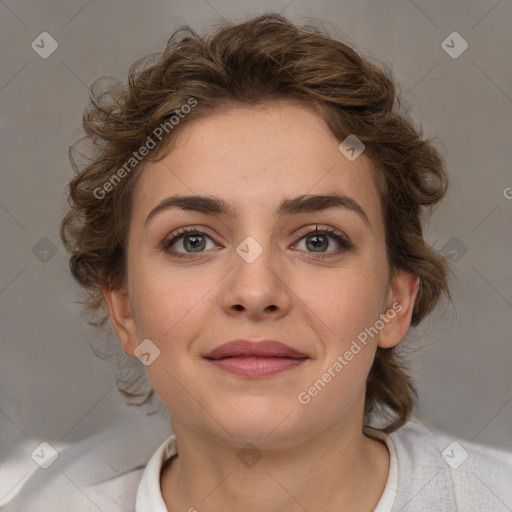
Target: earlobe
{"type": "Point", "coordinates": [400, 306]}
{"type": "Point", "coordinates": [123, 322]}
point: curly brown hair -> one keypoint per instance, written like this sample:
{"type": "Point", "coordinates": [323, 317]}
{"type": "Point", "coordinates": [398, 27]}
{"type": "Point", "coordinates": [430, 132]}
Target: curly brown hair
{"type": "Point", "coordinates": [266, 58]}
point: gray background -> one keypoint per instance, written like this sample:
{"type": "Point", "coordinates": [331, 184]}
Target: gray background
{"type": "Point", "coordinates": [53, 387]}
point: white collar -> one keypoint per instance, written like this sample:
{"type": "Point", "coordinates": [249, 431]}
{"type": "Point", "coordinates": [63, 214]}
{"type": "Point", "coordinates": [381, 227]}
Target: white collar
{"type": "Point", "coordinates": [149, 493]}
{"type": "Point", "coordinates": [390, 491]}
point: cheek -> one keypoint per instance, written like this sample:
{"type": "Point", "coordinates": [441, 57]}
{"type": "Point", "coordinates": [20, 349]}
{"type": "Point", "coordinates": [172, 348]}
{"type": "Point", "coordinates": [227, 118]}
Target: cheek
{"type": "Point", "coordinates": [344, 301]}
{"type": "Point", "coordinates": [166, 304]}
{"type": "Point", "coordinates": [171, 305]}
{"type": "Point", "coordinates": [170, 310]}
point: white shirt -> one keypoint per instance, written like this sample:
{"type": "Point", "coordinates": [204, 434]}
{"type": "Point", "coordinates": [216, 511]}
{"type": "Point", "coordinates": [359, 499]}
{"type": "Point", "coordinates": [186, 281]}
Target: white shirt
{"type": "Point", "coordinates": [149, 495]}
{"type": "Point", "coordinates": [110, 472]}
{"type": "Point", "coordinates": [428, 471]}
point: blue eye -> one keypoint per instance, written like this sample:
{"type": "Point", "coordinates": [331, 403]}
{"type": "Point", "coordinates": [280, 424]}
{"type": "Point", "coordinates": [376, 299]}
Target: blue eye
{"type": "Point", "coordinates": [190, 241]}
{"type": "Point", "coordinates": [318, 241]}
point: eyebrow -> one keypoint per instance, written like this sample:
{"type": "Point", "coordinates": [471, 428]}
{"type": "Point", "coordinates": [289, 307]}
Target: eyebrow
{"type": "Point", "coordinates": [293, 206]}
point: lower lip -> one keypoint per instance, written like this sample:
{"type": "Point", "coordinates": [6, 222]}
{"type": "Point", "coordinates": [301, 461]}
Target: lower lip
{"type": "Point", "coordinates": [252, 366]}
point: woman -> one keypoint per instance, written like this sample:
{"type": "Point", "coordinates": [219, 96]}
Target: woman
{"type": "Point", "coordinates": [252, 221]}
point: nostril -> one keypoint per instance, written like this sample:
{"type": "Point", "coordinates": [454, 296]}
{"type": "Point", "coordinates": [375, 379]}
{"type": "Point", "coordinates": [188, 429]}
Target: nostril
{"type": "Point", "coordinates": [239, 307]}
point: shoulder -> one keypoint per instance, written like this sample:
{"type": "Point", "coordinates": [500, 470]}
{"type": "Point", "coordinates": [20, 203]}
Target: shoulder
{"type": "Point", "coordinates": [100, 472]}
{"type": "Point", "coordinates": [449, 473]}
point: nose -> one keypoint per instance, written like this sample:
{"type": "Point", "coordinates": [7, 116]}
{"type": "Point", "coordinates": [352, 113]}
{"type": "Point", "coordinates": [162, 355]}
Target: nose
{"type": "Point", "coordinates": [257, 289]}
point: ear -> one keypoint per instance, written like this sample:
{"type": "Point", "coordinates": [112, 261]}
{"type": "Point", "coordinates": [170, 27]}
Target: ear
{"type": "Point", "coordinates": [119, 308]}
{"type": "Point", "coordinates": [399, 307]}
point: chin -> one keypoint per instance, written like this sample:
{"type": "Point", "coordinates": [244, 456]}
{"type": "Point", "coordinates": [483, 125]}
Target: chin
{"type": "Point", "coordinates": [260, 421]}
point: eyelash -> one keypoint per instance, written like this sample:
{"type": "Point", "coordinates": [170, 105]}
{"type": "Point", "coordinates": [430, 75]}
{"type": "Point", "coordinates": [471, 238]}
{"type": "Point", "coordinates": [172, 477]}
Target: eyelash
{"type": "Point", "coordinates": [337, 236]}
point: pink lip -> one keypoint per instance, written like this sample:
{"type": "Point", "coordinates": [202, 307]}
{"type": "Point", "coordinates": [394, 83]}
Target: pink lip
{"type": "Point", "coordinates": [255, 358]}
{"type": "Point", "coordinates": [263, 348]}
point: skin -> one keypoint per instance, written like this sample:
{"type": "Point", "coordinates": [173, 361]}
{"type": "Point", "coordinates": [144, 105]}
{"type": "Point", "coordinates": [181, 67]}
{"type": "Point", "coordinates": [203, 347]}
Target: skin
{"type": "Point", "coordinates": [313, 456]}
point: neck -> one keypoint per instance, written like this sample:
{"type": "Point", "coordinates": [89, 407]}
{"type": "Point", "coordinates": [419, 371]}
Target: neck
{"type": "Point", "coordinates": [339, 468]}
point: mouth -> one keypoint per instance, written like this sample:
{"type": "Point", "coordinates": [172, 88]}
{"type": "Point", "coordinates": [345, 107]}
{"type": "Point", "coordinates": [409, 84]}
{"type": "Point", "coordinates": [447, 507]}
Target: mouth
{"type": "Point", "coordinates": [255, 359]}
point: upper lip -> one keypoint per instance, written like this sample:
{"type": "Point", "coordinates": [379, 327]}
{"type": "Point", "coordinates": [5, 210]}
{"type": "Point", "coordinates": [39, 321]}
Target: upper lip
{"type": "Point", "coordinates": [263, 348]}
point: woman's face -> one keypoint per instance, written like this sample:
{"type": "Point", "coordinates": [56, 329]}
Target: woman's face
{"type": "Point", "coordinates": [258, 272]}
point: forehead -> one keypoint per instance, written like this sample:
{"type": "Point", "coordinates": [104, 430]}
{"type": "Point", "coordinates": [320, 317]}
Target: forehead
{"type": "Point", "coordinates": [253, 157]}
